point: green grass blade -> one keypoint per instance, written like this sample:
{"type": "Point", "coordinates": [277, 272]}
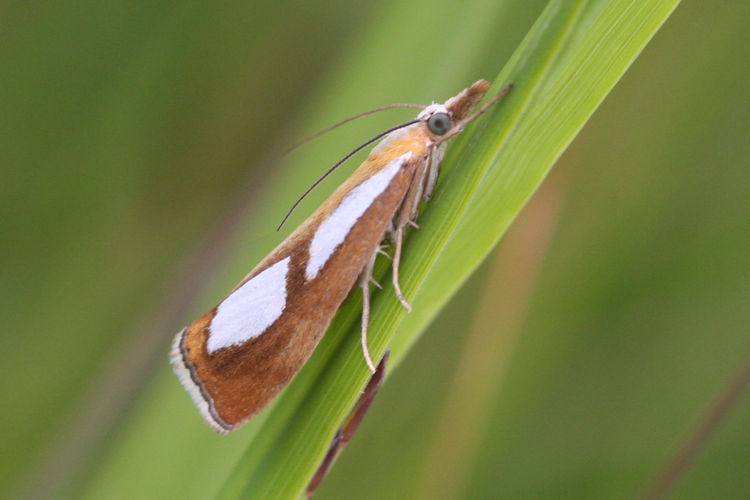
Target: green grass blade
{"type": "Point", "coordinates": [565, 67]}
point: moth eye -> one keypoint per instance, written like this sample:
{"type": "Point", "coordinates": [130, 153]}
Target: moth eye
{"type": "Point", "coordinates": [439, 123]}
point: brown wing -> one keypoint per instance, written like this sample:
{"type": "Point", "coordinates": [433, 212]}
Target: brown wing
{"type": "Point", "coordinates": [232, 384]}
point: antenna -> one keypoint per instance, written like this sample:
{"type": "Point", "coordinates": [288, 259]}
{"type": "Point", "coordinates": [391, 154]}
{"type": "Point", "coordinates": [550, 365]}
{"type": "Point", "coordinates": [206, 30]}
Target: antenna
{"type": "Point", "coordinates": [338, 163]}
{"type": "Point", "coordinates": [347, 120]}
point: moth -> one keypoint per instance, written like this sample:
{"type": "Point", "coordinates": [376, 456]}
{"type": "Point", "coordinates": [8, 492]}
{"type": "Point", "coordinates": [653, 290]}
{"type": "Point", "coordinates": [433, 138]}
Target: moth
{"type": "Point", "coordinates": [238, 356]}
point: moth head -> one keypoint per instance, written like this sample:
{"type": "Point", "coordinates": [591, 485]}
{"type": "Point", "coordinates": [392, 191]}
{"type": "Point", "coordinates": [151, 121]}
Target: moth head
{"type": "Point", "coordinates": [464, 103]}
{"type": "Point", "coordinates": [440, 122]}
{"type": "Point", "coordinates": [445, 121]}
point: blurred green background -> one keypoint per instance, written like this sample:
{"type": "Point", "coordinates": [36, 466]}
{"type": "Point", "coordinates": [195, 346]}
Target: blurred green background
{"type": "Point", "coordinates": [138, 152]}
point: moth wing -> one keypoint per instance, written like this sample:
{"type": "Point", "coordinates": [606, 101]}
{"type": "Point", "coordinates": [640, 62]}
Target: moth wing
{"type": "Point", "coordinates": [235, 358]}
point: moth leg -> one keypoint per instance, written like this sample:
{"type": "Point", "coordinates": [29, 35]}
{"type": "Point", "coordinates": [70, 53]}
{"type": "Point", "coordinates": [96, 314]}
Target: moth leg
{"type": "Point", "coordinates": [396, 261]}
{"type": "Point", "coordinates": [436, 157]}
{"type": "Point", "coordinates": [381, 251]}
{"type": "Point", "coordinates": [364, 283]}
{"type": "Point", "coordinates": [365, 321]}
{"type": "Point", "coordinates": [405, 216]}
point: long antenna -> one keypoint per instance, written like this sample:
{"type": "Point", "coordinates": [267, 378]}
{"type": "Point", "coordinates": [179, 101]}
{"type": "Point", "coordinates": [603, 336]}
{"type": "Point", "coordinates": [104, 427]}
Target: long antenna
{"type": "Point", "coordinates": [338, 163]}
{"type": "Point", "coordinates": [347, 120]}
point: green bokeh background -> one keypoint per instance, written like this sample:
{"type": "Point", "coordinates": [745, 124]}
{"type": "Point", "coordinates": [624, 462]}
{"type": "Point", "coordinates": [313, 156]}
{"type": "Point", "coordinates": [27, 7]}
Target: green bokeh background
{"type": "Point", "coordinates": [135, 136]}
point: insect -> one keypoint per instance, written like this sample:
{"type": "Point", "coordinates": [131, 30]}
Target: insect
{"type": "Point", "coordinates": [237, 357]}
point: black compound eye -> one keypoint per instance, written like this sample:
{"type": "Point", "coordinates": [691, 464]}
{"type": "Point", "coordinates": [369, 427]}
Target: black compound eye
{"type": "Point", "coordinates": [439, 123]}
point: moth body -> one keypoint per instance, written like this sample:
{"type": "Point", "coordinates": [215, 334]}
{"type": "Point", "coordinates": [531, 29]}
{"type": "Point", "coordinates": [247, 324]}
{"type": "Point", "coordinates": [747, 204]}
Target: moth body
{"type": "Point", "coordinates": [238, 356]}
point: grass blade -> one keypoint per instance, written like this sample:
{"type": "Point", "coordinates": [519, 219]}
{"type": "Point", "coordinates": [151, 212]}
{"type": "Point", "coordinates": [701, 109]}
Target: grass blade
{"type": "Point", "coordinates": [565, 67]}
